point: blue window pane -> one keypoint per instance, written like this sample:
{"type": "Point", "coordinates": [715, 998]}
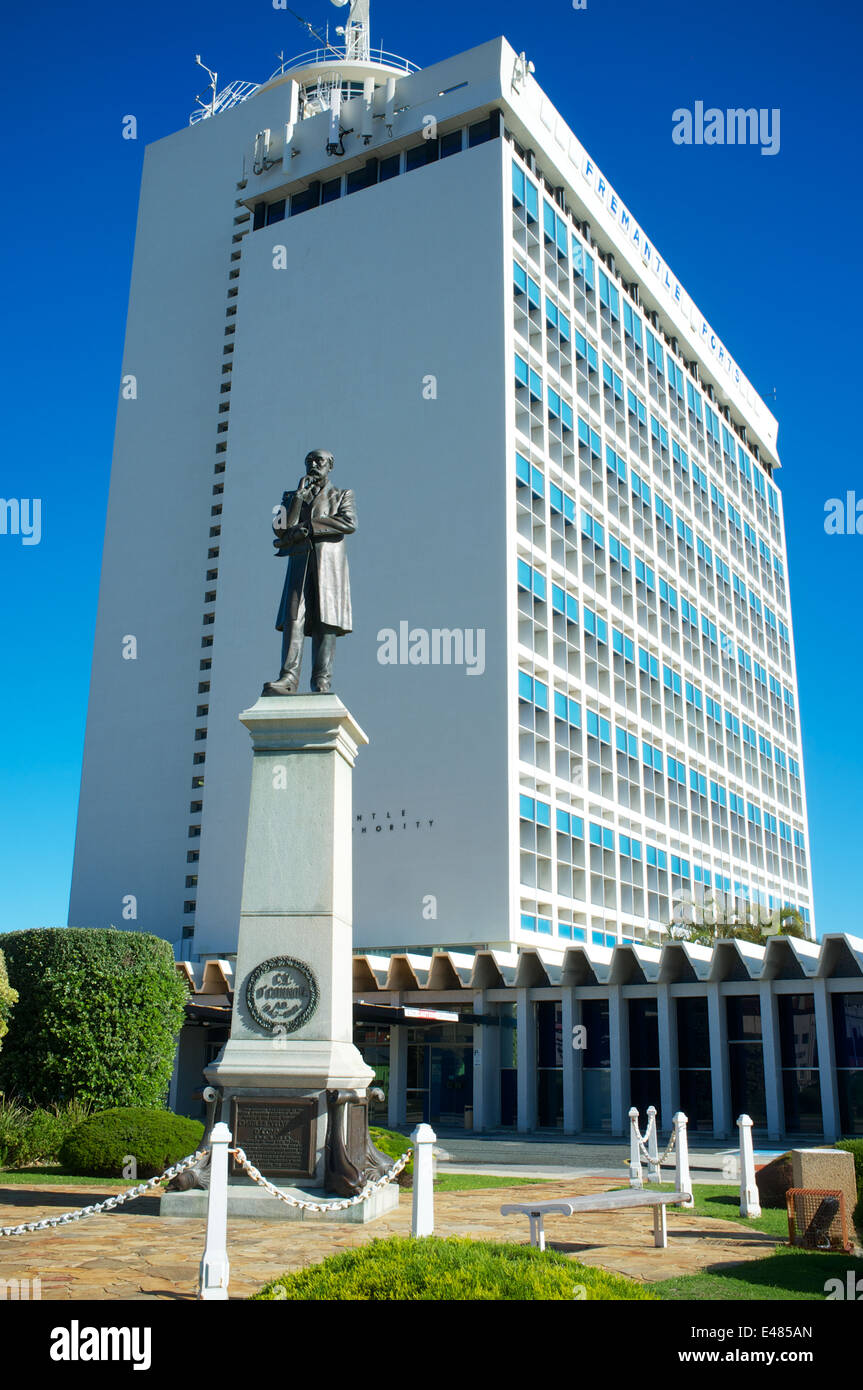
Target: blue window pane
{"type": "Point", "coordinates": [543, 813]}
{"type": "Point", "coordinates": [525, 686]}
{"type": "Point", "coordinates": [525, 807]}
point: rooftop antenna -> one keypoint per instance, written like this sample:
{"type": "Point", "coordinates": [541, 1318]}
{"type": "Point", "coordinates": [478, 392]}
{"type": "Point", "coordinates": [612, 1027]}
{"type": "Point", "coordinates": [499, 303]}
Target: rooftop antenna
{"type": "Point", "coordinates": [356, 31]}
{"type": "Point", "coordinates": [210, 106]}
{"type": "Point", "coordinates": [323, 40]}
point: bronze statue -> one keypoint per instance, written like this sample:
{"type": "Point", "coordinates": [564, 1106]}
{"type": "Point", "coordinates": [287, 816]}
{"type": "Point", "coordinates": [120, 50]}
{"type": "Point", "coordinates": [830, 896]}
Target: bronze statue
{"type": "Point", "coordinates": [310, 527]}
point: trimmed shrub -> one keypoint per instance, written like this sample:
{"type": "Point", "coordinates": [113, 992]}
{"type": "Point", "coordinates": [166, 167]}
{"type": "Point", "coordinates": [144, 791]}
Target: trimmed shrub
{"type": "Point", "coordinates": [439, 1269]}
{"type": "Point", "coordinates": [97, 1018]}
{"type": "Point", "coordinates": [393, 1144]}
{"type": "Point", "coordinates": [855, 1147]}
{"type": "Point", "coordinates": [8, 997]}
{"type": "Point", "coordinates": [102, 1145]}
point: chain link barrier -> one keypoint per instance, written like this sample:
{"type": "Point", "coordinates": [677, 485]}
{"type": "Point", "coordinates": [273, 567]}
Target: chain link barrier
{"type": "Point", "coordinates": [643, 1151]}
{"type": "Point", "coordinates": [340, 1205]}
{"type": "Point", "coordinates": [669, 1149]}
{"type": "Point", "coordinates": [109, 1204]}
{"type": "Point", "coordinates": [49, 1222]}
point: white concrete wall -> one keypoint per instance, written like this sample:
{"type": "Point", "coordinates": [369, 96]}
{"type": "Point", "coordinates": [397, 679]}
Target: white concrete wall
{"type": "Point", "coordinates": [383, 288]}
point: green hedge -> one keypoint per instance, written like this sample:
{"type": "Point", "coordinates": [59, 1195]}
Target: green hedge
{"type": "Point", "coordinates": [103, 1144]}
{"type": "Point", "coordinates": [97, 1018]}
{"type": "Point", "coordinates": [855, 1147]}
{"type": "Point", "coordinates": [440, 1269]}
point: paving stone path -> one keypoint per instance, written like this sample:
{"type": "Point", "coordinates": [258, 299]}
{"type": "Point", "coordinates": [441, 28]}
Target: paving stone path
{"type": "Point", "coordinates": [133, 1253]}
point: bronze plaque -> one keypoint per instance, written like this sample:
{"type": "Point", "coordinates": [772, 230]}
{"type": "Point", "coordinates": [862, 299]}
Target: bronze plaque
{"type": "Point", "coordinates": [277, 1136]}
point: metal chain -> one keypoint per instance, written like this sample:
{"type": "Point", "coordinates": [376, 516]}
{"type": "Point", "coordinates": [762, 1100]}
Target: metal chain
{"type": "Point", "coordinates": [47, 1222]}
{"type": "Point", "coordinates": [661, 1157]}
{"type": "Point", "coordinates": [340, 1205]}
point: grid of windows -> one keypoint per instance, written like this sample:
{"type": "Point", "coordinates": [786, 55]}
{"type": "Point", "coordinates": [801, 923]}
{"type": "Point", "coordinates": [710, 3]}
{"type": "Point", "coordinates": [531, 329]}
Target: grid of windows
{"type": "Point", "coordinates": [652, 606]}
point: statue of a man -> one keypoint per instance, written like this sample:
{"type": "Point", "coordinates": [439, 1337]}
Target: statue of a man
{"type": "Point", "coordinates": [310, 527]}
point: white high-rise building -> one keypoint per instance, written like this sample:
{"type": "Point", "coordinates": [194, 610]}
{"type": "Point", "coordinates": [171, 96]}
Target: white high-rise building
{"type": "Point", "coordinates": [572, 649]}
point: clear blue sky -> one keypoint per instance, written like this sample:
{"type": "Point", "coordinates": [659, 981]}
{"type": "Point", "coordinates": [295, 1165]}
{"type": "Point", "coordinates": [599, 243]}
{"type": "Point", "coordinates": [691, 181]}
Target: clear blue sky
{"type": "Point", "coordinates": [763, 244]}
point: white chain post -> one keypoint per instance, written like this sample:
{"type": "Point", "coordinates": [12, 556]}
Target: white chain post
{"type": "Point", "coordinates": [215, 1267]}
{"type": "Point", "coordinates": [653, 1173]}
{"type": "Point", "coordinates": [682, 1180]}
{"type": "Point", "coordinates": [635, 1178]}
{"type": "Point", "coordinates": [750, 1201]}
{"type": "Point", "coordinates": [422, 1216]}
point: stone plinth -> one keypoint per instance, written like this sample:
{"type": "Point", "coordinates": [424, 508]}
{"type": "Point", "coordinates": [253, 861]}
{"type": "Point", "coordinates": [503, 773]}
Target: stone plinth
{"type": "Point", "coordinates": [292, 1022]}
{"type": "Point", "coordinates": [248, 1200]}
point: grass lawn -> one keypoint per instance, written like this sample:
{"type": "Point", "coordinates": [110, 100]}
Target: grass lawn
{"type": "Point", "coordinates": [42, 1177]}
{"type": "Point", "coordinates": [446, 1182]}
{"type": "Point", "coordinates": [469, 1182]}
{"type": "Point", "coordinates": [723, 1201]}
{"type": "Point", "coordinates": [785, 1275]}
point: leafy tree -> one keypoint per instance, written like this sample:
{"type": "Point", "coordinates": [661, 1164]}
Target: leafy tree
{"type": "Point", "coordinates": [97, 1019]}
{"type": "Point", "coordinates": [8, 997]}
{"type": "Point", "coordinates": [720, 917]}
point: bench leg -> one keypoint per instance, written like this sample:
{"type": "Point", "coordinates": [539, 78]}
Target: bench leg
{"type": "Point", "coordinates": [660, 1227]}
{"type": "Point", "coordinates": [537, 1230]}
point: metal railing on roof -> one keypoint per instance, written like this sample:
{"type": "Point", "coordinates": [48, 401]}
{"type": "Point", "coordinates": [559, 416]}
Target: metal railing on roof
{"type": "Point", "coordinates": [333, 59]}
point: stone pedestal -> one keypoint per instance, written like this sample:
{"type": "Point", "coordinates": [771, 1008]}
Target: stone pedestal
{"type": "Point", "coordinates": [292, 1024]}
{"type": "Point", "coordinates": [246, 1200]}
{"type": "Point", "coordinates": [830, 1170]}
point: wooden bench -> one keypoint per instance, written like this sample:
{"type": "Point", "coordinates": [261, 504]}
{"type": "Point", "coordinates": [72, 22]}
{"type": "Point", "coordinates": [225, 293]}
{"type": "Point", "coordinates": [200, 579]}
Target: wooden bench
{"type": "Point", "coordinates": [599, 1201]}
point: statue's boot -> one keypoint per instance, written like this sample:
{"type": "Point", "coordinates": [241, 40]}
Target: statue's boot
{"type": "Point", "coordinates": [280, 687]}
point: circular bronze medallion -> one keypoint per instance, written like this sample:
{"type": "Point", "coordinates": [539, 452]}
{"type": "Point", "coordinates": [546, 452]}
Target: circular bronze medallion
{"type": "Point", "coordinates": [281, 994]}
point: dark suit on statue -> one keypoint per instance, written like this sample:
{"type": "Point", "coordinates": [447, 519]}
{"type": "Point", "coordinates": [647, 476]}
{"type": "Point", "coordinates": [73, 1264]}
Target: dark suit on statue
{"type": "Point", "coordinates": [316, 598]}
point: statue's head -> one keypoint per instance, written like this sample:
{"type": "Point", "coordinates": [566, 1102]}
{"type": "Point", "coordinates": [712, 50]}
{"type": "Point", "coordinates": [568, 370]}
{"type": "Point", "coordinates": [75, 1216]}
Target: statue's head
{"type": "Point", "coordinates": [319, 463]}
